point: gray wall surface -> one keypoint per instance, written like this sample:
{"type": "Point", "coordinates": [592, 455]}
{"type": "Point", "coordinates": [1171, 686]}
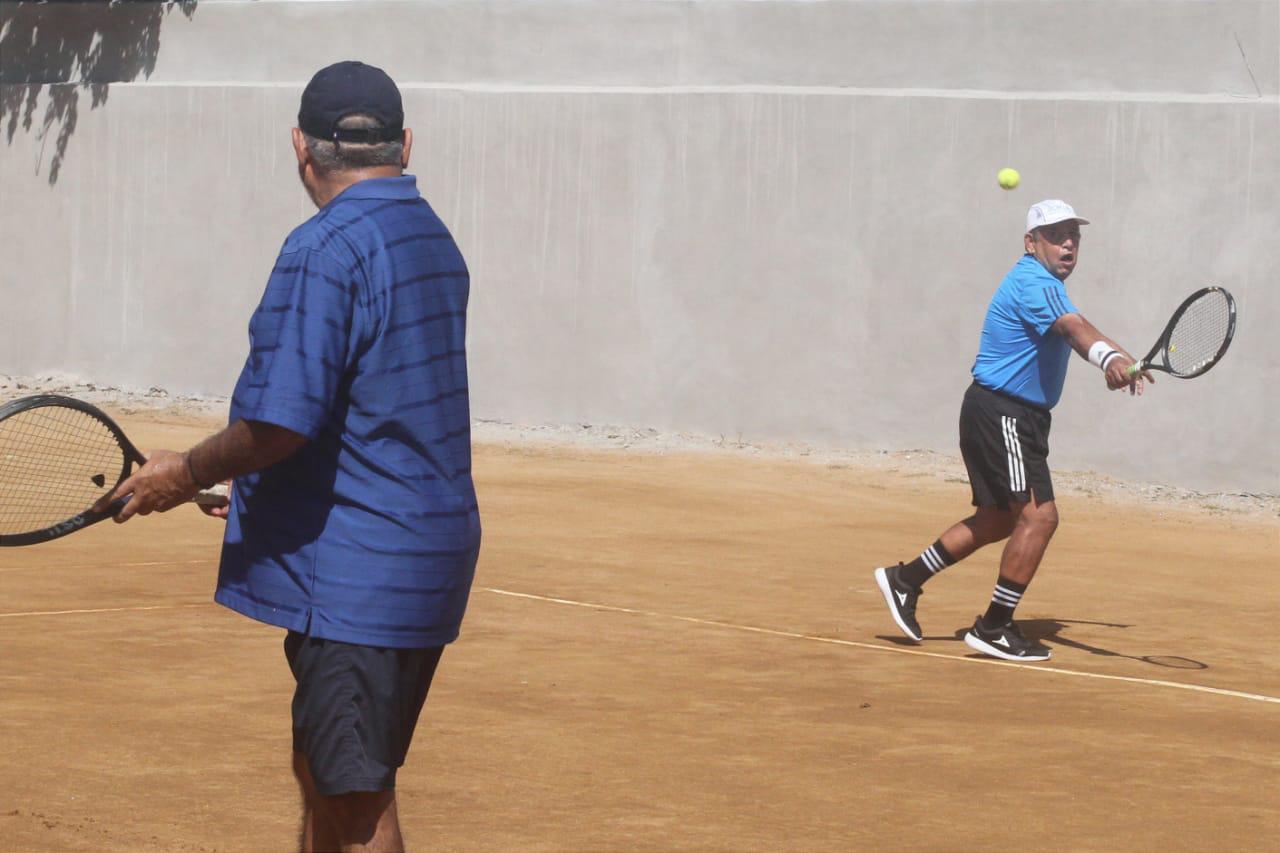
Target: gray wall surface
{"type": "Point", "coordinates": [764, 220]}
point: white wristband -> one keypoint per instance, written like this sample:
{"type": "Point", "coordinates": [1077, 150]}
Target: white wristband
{"type": "Point", "coordinates": [1101, 353]}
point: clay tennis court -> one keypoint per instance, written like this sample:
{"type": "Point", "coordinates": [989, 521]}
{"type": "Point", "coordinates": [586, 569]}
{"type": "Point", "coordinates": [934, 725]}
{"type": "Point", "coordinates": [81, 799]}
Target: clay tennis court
{"type": "Point", "coordinates": [677, 651]}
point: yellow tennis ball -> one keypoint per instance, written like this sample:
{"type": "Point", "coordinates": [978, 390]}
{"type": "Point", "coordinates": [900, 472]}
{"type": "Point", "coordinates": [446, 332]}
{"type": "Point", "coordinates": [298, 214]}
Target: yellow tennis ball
{"type": "Point", "coordinates": [1008, 178]}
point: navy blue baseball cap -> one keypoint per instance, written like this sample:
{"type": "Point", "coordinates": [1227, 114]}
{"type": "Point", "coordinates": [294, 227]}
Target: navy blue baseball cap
{"type": "Point", "coordinates": [347, 88]}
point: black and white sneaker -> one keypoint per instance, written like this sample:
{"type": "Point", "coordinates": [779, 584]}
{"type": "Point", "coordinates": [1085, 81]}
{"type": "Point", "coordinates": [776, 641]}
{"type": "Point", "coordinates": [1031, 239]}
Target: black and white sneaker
{"type": "Point", "coordinates": [901, 598]}
{"type": "Point", "coordinates": [1004, 642]}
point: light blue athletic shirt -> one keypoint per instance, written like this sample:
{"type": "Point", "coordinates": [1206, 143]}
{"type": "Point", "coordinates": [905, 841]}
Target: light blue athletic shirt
{"type": "Point", "coordinates": [1018, 355]}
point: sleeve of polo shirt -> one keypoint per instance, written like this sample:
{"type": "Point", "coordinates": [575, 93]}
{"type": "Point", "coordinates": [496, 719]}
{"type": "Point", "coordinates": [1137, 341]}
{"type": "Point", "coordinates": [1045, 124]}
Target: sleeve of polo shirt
{"type": "Point", "coordinates": [1043, 302]}
{"type": "Point", "coordinates": [299, 343]}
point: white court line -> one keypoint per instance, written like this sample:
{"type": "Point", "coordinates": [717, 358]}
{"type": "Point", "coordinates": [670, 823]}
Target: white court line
{"type": "Point", "coordinates": [1154, 682]}
{"type": "Point", "coordinates": [73, 566]}
{"type": "Point", "coordinates": [1199, 688]}
{"type": "Point", "coordinates": [104, 610]}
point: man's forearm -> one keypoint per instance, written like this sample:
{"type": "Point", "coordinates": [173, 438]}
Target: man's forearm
{"type": "Point", "coordinates": [243, 447]}
{"type": "Point", "coordinates": [1102, 352]}
{"type": "Point", "coordinates": [1082, 335]}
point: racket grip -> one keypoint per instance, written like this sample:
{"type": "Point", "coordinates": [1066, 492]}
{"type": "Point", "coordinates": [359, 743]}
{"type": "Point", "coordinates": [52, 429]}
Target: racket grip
{"type": "Point", "coordinates": [1135, 368]}
{"type": "Point", "coordinates": [213, 496]}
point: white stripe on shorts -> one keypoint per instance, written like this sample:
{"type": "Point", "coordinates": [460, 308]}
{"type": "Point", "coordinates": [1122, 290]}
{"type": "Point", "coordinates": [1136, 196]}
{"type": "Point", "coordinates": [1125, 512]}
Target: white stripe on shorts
{"type": "Point", "coordinates": [1013, 450]}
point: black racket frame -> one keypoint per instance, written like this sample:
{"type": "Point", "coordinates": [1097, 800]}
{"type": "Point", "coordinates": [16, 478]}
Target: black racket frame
{"type": "Point", "coordinates": [1162, 342]}
{"type": "Point", "coordinates": [131, 455]}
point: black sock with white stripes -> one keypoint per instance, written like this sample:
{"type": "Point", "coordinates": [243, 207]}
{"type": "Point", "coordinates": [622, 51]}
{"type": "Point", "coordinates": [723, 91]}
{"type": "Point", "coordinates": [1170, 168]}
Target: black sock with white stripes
{"type": "Point", "coordinates": [933, 560]}
{"type": "Point", "coordinates": [1004, 599]}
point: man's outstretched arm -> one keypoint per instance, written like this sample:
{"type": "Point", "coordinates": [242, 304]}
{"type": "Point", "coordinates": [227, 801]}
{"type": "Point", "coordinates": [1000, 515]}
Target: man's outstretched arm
{"type": "Point", "coordinates": [1098, 349]}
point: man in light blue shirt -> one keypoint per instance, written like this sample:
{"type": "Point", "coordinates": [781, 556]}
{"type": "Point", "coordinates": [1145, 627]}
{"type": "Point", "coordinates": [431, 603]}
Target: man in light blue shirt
{"type": "Point", "coordinates": [1019, 353]}
{"type": "Point", "coordinates": [1030, 329]}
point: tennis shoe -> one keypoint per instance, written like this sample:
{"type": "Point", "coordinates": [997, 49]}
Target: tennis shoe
{"type": "Point", "coordinates": [1005, 642]}
{"type": "Point", "coordinates": [901, 598]}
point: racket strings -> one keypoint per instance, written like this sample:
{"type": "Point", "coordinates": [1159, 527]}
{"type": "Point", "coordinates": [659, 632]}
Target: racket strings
{"type": "Point", "coordinates": [1199, 334]}
{"type": "Point", "coordinates": [55, 462]}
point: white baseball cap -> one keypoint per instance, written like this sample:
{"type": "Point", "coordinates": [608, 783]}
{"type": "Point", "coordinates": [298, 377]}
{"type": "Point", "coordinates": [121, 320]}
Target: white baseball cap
{"type": "Point", "coordinates": [1049, 211]}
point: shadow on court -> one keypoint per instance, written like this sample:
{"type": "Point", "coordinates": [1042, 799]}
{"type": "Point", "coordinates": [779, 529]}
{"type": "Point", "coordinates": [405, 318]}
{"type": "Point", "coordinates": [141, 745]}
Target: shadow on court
{"type": "Point", "coordinates": [899, 640]}
{"type": "Point", "coordinates": [71, 48]}
{"type": "Point", "coordinates": [1051, 632]}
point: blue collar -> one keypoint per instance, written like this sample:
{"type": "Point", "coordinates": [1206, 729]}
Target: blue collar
{"type": "Point", "coordinates": [400, 187]}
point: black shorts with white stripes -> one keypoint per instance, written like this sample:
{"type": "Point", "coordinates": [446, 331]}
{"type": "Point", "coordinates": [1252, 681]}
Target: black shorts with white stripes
{"type": "Point", "coordinates": [1005, 444]}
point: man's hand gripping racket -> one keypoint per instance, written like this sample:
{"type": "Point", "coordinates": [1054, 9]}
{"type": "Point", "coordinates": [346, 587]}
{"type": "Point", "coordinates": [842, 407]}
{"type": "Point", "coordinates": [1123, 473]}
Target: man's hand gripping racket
{"type": "Point", "coordinates": [60, 459]}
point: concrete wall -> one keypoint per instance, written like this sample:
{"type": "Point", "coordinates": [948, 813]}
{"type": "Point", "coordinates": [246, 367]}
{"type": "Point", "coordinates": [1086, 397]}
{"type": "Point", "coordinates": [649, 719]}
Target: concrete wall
{"type": "Point", "coordinates": [767, 220]}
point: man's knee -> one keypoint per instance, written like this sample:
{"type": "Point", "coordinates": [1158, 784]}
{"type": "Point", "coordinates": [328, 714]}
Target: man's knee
{"type": "Point", "coordinates": [990, 524]}
{"type": "Point", "coordinates": [302, 772]}
{"type": "Point", "coordinates": [1040, 519]}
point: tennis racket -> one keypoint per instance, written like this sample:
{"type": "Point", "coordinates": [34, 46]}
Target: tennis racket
{"type": "Point", "coordinates": [1196, 337]}
{"type": "Point", "coordinates": [58, 457]}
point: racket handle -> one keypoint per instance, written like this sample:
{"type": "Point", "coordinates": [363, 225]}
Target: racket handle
{"type": "Point", "coordinates": [1135, 368]}
{"type": "Point", "coordinates": [213, 496]}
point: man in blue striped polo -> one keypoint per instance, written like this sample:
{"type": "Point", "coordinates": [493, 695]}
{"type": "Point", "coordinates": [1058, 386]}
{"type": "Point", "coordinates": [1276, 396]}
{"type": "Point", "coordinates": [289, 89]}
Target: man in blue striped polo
{"type": "Point", "coordinates": [353, 521]}
{"type": "Point", "coordinates": [1030, 329]}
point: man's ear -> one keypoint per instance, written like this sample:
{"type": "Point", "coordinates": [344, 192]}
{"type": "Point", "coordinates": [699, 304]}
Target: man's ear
{"type": "Point", "coordinates": [408, 143]}
{"type": "Point", "coordinates": [300, 148]}
{"type": "Point", "coordinates": [1028, 243]}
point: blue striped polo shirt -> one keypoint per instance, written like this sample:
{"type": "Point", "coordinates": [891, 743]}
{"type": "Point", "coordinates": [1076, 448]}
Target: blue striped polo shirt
{"type": "Point", "coordinates": [369, 534]}
{"type": "Point", "coordinates": [1017, 353]}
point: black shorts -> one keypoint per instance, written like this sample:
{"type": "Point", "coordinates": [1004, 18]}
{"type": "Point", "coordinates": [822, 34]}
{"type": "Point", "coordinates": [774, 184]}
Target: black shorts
{"type": "Point", "coordinates": [355, 709]}
{"type": "Point", "coordinates": [1005, 444]}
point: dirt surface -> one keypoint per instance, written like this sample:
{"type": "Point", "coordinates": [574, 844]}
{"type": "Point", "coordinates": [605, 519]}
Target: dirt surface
{"type": "Point", "coordinates": [678, 650]}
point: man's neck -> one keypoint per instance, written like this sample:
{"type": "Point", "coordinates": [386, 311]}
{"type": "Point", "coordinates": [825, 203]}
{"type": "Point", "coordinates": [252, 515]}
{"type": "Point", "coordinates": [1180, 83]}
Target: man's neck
{"type": "Point", "coordinates": [335, 185]}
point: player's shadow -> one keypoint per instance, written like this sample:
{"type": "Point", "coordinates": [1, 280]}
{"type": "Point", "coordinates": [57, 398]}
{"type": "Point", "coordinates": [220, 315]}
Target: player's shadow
{"type": "Point", "coordinates": [899, 640]}
{"type": "Point", "coordinates": [51, 53]}
{"type": "Point", "coordinates": [1050, 632]}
